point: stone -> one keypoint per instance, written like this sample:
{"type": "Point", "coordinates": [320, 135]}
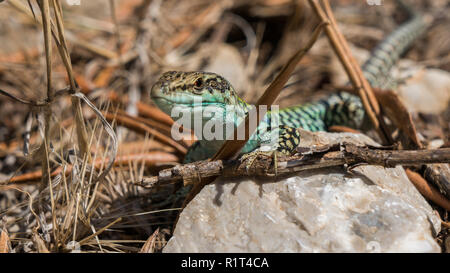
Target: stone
{"type": "Point", "coordinates": [426, 90]}
{"type": "Point", "coordinates": [422, 89]}
{"type": "Point", "coordinates": [371, 209]}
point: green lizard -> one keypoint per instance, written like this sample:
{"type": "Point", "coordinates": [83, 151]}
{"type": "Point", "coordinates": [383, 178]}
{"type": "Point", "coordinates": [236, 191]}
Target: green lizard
{"type": "Point", "coordinates": [196, 92]}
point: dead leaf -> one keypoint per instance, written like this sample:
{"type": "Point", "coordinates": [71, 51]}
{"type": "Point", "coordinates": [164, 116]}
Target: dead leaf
{"type": "Point", "coordinates": [149, 246]}
{"type": "Point", "coordinates": [5, 243]}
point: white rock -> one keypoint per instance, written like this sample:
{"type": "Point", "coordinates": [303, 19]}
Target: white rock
{"type": "Point", "coordinates": [377, 210]}
{"type": "Point", "coordinates": [425, 90]}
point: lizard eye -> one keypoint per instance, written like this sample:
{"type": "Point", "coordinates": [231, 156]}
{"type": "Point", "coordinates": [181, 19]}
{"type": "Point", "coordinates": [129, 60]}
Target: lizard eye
{"type": "Point", "coordinates": [198, 83]}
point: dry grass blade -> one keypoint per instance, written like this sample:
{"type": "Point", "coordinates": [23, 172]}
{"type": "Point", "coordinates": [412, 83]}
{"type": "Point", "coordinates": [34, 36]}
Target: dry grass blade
{"type": "Point", "coordinates": [62, 39]}
{"type": "Point", "coordinates": [45, 12]}
{"type": "Point", "coordinates": [85, 240]}
{"type": "Point", "coordinates": [110, 132]}
{"type": "Point", "coordinates": [58, 34]}
{"type": "Point", "coordinates": [149, 246]}
{"type": "Point", "coordinates": [76, 104]}
{"type": "Point", "coordinates": [7, 94]}
{"type": "Point", "coordinates": [353, 70]}
{"type": "Point", "coordinates": [112, 7]}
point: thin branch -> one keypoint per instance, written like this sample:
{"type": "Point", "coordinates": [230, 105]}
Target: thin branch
{"type": "Point", "coordinates": [346, 154]}
{"type": "Point", "coordinates": [58, 93]}
{"type": "Point", "coordinates": [354, 72]}
{"type": "Point", "coordinates": [307, 159]}
{"type": "Point", "coordinates": [112, 7]}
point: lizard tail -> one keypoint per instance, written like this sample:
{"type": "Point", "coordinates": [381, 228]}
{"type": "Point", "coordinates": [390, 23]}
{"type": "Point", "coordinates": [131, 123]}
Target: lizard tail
{"type": "Point", "coordinates": [347, 109]}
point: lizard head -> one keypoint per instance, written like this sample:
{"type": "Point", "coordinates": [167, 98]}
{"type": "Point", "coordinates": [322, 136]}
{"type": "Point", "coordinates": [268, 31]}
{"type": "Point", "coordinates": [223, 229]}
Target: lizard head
{"type": "Point", "coordinates": [193, 92]}
{"type": "Point", "coordinates": [190, 88]}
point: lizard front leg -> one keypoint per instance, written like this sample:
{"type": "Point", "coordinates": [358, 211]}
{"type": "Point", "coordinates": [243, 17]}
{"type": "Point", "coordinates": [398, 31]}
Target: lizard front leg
{"type": "Point", "coordinates": [286, 141]}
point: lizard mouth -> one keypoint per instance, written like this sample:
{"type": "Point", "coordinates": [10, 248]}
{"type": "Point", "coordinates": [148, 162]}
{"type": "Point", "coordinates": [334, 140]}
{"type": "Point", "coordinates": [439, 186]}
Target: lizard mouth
{"type": "Point", "coordinates": [178, 100]}
{"type": "Point", "coordinates": [166, 98]}
{"type": "Point", "coordinates": [161, 94]}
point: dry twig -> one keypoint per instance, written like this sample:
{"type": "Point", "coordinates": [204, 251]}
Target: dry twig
{"type": "Point", "coordinates": [321, 157]}
{"type": "Point", "coordinates": [353, 70]}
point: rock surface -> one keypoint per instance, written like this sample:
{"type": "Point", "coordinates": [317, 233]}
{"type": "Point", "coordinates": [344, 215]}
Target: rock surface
{"type": "Point", "coordinates": [373, 210]}
{"type": "Point", "coordinates": [422, 89]}
{"type": "Point", "coordinates": [425, 90]}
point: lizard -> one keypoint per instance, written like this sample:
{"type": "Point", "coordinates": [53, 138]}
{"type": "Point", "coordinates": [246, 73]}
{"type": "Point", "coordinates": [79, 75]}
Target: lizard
{"type": "Point", "coordinates": [195, 92]}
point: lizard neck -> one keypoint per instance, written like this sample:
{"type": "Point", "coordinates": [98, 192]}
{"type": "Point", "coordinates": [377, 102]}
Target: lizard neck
{"type": "Point", "coordinates": [215, 122]}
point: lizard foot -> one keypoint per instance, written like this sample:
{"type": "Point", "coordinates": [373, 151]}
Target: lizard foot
{"type": "Point", "coordinates": [287, 141]}
{"type": "Point", "coordinates": [250, 158]}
